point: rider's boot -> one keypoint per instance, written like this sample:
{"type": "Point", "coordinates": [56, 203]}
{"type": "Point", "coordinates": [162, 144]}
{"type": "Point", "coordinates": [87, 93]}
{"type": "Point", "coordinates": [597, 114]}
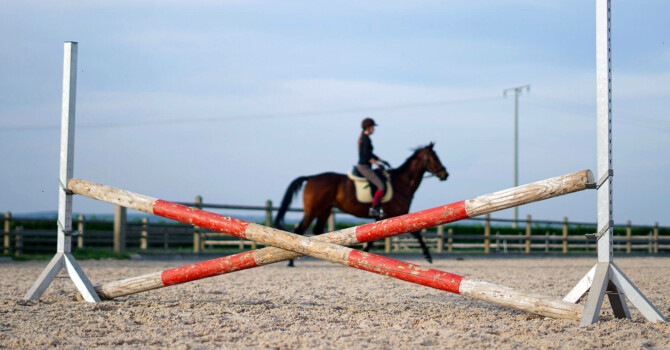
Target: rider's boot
{"type": "Point", "coordinates": [376, 211]}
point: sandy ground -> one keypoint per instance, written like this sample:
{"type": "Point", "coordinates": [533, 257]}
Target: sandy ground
{"type": "Point", "coordinates": [321, 305]}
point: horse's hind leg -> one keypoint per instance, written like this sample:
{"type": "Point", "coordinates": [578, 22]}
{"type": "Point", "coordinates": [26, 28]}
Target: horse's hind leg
{"type": "Point", "coordinates": [424, 248]}
{"type": "Point", "coordinates": [368, 246]}
{"type": "Point", "coordinates": [321, 221]}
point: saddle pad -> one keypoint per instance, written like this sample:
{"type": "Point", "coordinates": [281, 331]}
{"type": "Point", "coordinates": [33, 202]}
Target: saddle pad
{"type": "Point", "coordinates": [363, 193]}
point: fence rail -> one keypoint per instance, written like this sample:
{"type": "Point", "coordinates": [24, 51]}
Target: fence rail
{"type": "Point", "coordinates": [530, 236]}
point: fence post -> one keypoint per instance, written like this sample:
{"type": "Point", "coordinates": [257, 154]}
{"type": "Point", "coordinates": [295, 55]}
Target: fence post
{"type": "Point", "coordinates": [18, 241]}
{"type": "Point", "coordinates": [487, 234]}
{"type": "Point", "coordinates": [629, 231]}
{"type": "Point", "coordinates": [196, 230]}
{"type": "Point", "coordinates": [450, 240]}
{"type": "Point", "coordinates": [497, 241]}
{"type": "Point", "coordinates": [440, 238]}
{"type": "Point", "coordinates": [565, 235]}
{"type": "Point", "coordinates": [268, 213]}
{"type": "Point", "coordinates": [504, 242]}
{"type": "Point", "coordinates": [656, 237]}
{"type": "Point", "coordinates": [119, 229]}
{"type": "Point", "coordinates": [80, 228]}
{"type": "Point", "coordinates": [546, 241]}
{"type": "Point", "coordinates": [528, 229]}
{"type": "Point", "coordinates": [144, 234]}
{"type": "Point", "coordinates": [387, 245]}
{"type": "Point", "coordinates": [8, 219]}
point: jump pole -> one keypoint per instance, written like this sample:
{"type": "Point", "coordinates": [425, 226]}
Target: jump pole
{"type": "Point", "coordinates": [300, 245]}
{"type": "Point", "coordinates": [481, 205]}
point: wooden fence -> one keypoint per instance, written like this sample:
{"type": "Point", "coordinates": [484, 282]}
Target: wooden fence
{"type": "Point", "coordinates": [472, 235]}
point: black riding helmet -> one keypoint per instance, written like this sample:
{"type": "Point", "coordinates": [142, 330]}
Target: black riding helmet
{"type": "Point", "coordinates": [368, 122]}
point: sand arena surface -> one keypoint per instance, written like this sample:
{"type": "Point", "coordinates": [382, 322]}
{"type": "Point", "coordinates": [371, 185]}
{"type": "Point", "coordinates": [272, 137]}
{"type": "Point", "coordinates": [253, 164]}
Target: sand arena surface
{"type": "Point", "coordinates": [322, 305]}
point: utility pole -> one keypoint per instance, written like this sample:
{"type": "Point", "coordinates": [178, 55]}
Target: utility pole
{"type": "Point", "coordinates": [517, 91]}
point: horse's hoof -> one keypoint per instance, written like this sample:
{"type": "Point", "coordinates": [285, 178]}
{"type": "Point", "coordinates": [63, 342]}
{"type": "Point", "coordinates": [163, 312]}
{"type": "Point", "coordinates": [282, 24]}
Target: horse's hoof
{"type": "Point", "coordinates": [429, 260]}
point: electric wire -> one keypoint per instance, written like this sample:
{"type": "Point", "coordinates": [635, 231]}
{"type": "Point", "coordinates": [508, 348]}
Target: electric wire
{"type": "Point", "coordinates": [252, 116]}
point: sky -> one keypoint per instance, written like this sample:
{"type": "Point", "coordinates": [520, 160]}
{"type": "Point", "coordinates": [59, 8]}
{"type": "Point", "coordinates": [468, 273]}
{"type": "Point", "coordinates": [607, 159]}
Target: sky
{"type": "Point", "coordinates": [232, 100]}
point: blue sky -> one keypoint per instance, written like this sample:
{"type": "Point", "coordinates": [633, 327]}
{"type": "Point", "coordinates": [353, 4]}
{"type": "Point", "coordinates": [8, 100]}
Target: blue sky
{"type": "Point", "coordinates": [234, 99]}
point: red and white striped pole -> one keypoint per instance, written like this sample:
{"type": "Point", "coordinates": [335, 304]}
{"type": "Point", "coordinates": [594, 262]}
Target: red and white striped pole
{"type": "Point", "coordinates": [329, 247]}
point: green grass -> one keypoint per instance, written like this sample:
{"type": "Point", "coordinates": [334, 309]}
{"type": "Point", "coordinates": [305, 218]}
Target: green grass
{"type": "Point", "coordinates": [79, 254]}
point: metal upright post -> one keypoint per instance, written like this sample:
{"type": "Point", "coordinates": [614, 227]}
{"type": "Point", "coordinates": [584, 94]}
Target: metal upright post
{"type": "Point", "coordinates": [63, 257]}
{"type": "Point", "coordinates": [605, 277]}
{"type": "Point", "coordinates": [517, 91]}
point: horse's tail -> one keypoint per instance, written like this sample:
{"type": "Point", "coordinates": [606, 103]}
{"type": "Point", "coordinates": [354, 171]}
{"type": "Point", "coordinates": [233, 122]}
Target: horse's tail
{"type": "Point", "coordinates": [291, 191]}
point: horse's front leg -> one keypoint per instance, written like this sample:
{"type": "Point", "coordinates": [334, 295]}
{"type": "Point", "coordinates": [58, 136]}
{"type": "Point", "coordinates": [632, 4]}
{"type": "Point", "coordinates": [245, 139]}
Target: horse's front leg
{"type": "Point", "coordinates": [424, 247]}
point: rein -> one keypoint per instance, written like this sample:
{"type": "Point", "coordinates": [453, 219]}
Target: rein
{"type": "Point", "coordinates": [432, 173]}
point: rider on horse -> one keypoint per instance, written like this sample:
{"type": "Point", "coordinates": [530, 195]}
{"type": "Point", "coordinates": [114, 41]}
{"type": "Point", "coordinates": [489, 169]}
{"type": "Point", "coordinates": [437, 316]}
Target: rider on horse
{"type": "Point", "coordinates": [365, 159]}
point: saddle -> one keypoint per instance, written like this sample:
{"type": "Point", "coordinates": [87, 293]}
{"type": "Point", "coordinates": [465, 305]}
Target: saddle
{"type": "Point", "coordinates": [365, 190]}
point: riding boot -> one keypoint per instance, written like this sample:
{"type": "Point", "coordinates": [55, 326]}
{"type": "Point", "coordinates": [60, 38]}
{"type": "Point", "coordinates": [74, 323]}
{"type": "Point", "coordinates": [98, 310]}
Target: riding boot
{"type": "Point", "coordinates": [376, 211]}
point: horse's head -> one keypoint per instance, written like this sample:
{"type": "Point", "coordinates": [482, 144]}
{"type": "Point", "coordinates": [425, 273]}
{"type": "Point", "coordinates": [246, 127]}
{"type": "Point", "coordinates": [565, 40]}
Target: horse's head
{"type": "Point", "coordinates": [433, 164]}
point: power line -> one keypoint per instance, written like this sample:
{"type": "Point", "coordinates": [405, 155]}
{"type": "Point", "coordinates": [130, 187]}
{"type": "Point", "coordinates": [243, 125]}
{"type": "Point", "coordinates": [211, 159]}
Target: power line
{"type": "Point", "coordinates": [619, 116]}
{"type": "Point", "coordinates": [250, 117]}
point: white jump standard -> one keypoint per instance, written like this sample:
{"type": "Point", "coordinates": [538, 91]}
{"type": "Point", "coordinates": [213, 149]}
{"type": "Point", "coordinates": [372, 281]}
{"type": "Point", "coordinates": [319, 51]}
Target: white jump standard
{"type": "Point", "coordinates": [63, 257]}
{"type": "Point", "coordinates": [605, 277]}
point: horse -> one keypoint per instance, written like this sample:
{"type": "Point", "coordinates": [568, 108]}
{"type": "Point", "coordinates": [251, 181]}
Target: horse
{"type": "Point", "coordinates": [327, 190]}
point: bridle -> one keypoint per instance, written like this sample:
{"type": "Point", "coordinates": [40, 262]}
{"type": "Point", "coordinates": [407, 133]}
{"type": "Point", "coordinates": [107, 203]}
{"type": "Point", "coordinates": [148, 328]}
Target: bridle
{"type": "Point", "coordinates": [433, 172]}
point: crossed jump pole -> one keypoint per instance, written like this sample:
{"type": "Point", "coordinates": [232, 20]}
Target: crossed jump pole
{"type": "Point", "coordinates": [331, 247]}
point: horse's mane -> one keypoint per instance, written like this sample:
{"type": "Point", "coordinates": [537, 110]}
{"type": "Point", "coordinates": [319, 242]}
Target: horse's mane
{"type": "Point", "coordinates": [407, 162]}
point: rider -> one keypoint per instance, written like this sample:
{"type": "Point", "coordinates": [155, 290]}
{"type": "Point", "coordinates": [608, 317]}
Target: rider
{"type": "Point", "coordinates": [365, 159]}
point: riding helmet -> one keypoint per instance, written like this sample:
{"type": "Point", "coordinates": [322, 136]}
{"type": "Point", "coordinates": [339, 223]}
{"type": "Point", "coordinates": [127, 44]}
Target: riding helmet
{"type": "Point", "coordinates": [368, 122]}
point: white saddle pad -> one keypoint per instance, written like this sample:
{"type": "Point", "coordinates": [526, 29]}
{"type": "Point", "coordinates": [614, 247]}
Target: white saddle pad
{"type": "Point", "coordinates": [362, 186]}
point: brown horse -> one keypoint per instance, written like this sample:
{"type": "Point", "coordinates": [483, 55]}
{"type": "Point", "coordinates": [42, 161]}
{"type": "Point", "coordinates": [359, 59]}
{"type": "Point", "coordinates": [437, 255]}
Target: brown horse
{"type": "Point", "coordinates": [327, 190]}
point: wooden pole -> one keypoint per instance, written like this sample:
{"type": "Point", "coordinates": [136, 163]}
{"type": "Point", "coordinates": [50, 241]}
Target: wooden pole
{"type": "Point", "coordinates": [546, 241]}
{"type": "Point", "coordinates": [497, 241]}
{"type": "Point", "coordinates": [333, 250]}
{"type": "Point", "coordinates": [80, 228]}
{"type": "Point", "coordinates": [119, 229]}
{"type": "Point", "coordinates": [440, 239]}
{"type": "Point", "coordinates": [144, 234]}
{"type": "Point", "coordinates": [656, 237]}
{"type": "Point", "coordinates": [268, 213]}
{"type": "Point", "coordinates": [18, 241]}
{"type": "Point", "coordinates": [450, 240]}
{"type": "Point", "coordinates": [8, 221]}
{"type": "Point", "coordinates": [487, 234]}
{"type": "Point", "coordinates": [629, 231]}
{"type": "Point", "coordinates": [565, 235]}
{"type": "Point", "coordinates": [528, 232]}
{"type": "Point", "coordinates": [381, 229]}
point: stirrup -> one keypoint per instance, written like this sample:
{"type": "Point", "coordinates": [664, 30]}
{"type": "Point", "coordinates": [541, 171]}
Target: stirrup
{"type": "Point", "coordinates": [377, 213]}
